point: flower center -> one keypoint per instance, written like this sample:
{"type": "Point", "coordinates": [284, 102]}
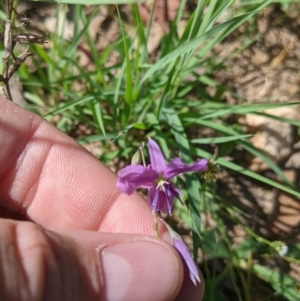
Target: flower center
{"type": "Point", "coordinates": [160, 183]}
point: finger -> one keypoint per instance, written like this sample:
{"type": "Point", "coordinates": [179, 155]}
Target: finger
{"type": "Point", "coordinates": [37, 180]}
{"type": "Point", "coordinates": [38, 264]}
{"type": "Point", "coordinates": [188, 290]}
{"type": "Point", "coordinates": [51, 180]}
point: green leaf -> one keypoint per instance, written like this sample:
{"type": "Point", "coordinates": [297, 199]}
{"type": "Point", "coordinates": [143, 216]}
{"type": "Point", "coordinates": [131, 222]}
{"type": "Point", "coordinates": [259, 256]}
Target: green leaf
{"type": "Point", "coordinates": [97, 114]}
{"type": "Point", "coordinates": [69, 105]}
{"type": "Point", "coordinates": [192, 45]}
{"type": "Point", "coordinates": [246, 145]}
{"type": "Point", "coordinates": [246, 109]}
{"type": "Point", "coordinates": [248, 173]}
{"type": "Point", "coordinates": [281, 282]}
{"type": "Point", "coordinates": [95, 138]}
{"type": "Point", "coordinates": [193, 185]}
{"type": "Point", "coordinates": [250, 245]}
{"type": "Point", "coordinates": [213, 245]}
{"type": "Point", "coordinates": [294, 250]}
{"type": "Point", "coordinates": [90, 2]}
{"type": "Point", "coordinates": [219, 139]}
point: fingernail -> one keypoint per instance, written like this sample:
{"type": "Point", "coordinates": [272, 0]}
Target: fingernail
{"type": "Point", "coordinates": [139, 270]}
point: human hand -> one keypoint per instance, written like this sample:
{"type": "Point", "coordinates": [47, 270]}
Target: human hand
{"type": "Point", "coordinates": [67, 233]}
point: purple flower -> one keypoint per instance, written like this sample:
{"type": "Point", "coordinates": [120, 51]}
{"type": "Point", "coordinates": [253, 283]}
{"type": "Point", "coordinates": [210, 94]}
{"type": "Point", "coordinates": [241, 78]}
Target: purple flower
{"type": "Point", "coordinates": [180, 246]}
{"type": "Point", "coordinates": [157, 178]}
{"type": "Point", "coordinates": [182, 249]}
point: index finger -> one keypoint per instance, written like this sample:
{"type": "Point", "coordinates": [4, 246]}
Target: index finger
{"type": "Point", "coordinates": [50, 179]}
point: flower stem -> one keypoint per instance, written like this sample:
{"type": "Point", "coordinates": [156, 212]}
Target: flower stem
{"type": "Point", "coordinates": [141, 150]}
{"type": "Point", "coordinates": [155, 224]}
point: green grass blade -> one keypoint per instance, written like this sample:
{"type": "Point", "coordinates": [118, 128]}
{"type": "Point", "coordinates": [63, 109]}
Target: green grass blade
{"type": "Point", "coordinates": [154, 123]}
{"type": "Point", "coordinates": [281, 282]}
{"type": "Point", "coordinates": [246, 145]}
{"type": "Point", "coordinates": [248, 173]}
{"type": "Point", "coordinates": [197, 20]}
{"type": "Point", "coordinates": [97, 114]}
{"type": "Point", "coordinates": [69, 105]}
{"type": "Point", "coordinates": [193, 185]}
{"type": "Point", "coordinates": [218, 139]}
{"type": "Point", "coordinates": [128, 90]}
{"type": "Point", "coordinates": [192, 45]}
{"type": "Point", "coordinates": [245, 109]}
{"type": "Point", "coordinates": [91, 2]}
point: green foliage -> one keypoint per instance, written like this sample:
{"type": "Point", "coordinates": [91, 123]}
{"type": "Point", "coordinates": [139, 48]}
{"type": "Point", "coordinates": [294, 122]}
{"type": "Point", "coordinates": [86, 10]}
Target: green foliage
{"type": "Point", "coordinates": [92, 2]}
{"type": "Point", "coordinates": [137, 96]}
{"type": "Point", "coordinates": [282, 283]}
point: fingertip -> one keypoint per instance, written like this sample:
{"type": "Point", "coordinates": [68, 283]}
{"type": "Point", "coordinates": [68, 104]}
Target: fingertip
{"type": "Point", "coordinates": [190, 291]}
{"type": "Point", "coordinates": [140, 270]}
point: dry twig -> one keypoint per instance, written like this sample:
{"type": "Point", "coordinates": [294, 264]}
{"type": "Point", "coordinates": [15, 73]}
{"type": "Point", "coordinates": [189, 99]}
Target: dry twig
{"type": "Point", "coordinates": [9, 39]}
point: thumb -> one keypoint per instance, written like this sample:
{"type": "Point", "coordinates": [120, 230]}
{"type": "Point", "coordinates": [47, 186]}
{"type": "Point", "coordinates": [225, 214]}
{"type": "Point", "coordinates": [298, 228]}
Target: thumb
{"type": "Point", "coordinates": [38, 264]}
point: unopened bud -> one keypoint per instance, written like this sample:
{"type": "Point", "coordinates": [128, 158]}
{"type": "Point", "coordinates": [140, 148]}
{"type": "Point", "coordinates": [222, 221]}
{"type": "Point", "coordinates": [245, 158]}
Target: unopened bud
{"type": "Point", "coordinates": [138, 157]}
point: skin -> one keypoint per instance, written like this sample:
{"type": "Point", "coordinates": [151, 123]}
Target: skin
{"type": "Point", "coordinates": [67, 233]}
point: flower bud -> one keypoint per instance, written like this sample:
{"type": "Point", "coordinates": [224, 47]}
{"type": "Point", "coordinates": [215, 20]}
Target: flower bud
{"type": "Point", "coordinates": [137, 158]}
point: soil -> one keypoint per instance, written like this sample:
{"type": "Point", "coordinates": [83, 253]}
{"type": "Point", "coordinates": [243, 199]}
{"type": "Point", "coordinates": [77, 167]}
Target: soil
{"type": "Point", "coordinates": [267, 71]}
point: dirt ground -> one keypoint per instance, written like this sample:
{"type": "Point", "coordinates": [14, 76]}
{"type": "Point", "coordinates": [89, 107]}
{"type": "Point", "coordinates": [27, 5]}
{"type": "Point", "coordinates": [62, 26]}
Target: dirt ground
{"type": "Point", "coordinates": [267, 71]}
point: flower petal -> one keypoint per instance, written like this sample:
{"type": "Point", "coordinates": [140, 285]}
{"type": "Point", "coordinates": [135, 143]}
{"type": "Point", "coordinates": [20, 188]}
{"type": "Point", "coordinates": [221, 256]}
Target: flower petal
{"type": "Point", "coordinates": [152, 199]}
{"type": "Point", "coordinates": [185, 254]}
{"type": "Point", "coordinates": [157, 159]}
{"type": "Point", "coordinates": [133, 176]}
{"type": "Point", "coordinates": [177, 166]}
{"type": "Point", "coordinates": [171, 192]}
{"type": "Point", "coordinates": [162, 198]}
{"type": "Point", "coordinates": [158, 200]}
{"type": "Point", "coordinates": [182, 249]}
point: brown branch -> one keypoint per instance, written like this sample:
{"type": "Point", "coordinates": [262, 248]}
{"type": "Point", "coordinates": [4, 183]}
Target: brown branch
{"type": "Point", "coordinates": [11, 62]}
